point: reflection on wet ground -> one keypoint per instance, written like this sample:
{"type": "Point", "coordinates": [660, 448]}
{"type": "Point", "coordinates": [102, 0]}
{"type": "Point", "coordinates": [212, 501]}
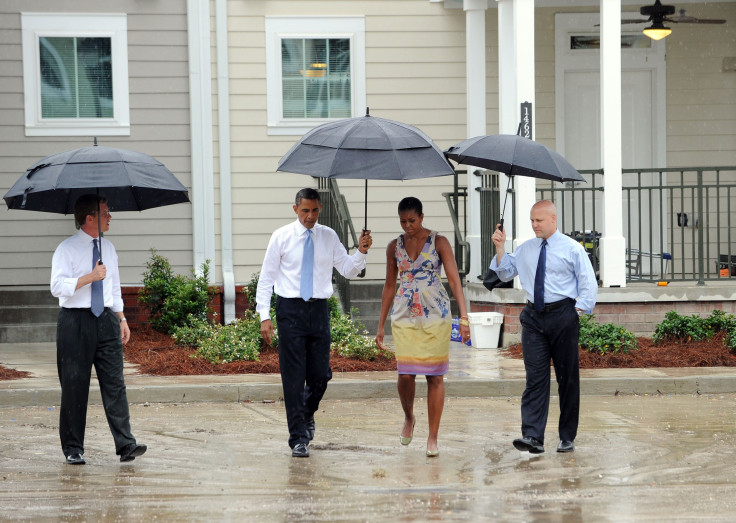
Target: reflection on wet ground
{"type": "Point", "coordinates": [649, 458]}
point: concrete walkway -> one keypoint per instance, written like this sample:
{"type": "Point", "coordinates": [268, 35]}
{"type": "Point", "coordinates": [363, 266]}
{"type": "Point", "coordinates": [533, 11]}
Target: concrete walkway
{"type": "Point", "coordinates": [473, 373]}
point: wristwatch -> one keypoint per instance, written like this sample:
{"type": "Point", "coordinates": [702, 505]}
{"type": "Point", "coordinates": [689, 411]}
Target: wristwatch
{"type": "Point", "coordinates": [580, 312]}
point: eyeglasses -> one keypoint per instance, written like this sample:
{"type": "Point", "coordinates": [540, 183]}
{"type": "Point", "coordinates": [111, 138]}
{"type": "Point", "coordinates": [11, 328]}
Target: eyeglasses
{"type": "Point", "coordinates": [106, 214]}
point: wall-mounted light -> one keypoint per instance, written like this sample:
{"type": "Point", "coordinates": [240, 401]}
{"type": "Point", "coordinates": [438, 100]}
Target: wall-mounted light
{"type": "Point", "coordinates": [657, 31]}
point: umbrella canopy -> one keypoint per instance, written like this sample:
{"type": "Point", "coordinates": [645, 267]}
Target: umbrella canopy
{"type": "Point", "coordinates": [515, 156]}
{"type": "Point", "coordinates": [131, 181]}
{"type": "Point", "coordinates": [366, 148]}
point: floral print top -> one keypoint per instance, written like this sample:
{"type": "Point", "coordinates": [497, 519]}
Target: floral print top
{"type": "Point", "coordinates": [420, 293]}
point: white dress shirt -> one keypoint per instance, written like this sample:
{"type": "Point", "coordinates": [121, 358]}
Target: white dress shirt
{"type": "Point", "coordinates": [282, 265]}
{"type": "Point", "coordinates": [72, 260]}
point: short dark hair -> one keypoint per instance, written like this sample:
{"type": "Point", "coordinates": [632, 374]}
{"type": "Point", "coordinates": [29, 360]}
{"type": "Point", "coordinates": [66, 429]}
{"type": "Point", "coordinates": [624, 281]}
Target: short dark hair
{"type": "Point", "coordinates": [86, 205]}
{"type": "Point", "coordinates": [410, 204]}
{"type": "Point", "coordinates": [306, 194]}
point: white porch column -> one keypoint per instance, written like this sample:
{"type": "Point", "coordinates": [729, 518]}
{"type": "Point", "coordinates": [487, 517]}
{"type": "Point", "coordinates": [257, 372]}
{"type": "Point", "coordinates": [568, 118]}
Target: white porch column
{"type": "Point", "coordinates": [508, 112]}
{"type": "Point", "coordinates": [523, 42]}
{"type": "Point", "coordinates": [475, 59]}
{"type": "Point", "coordinates": [612, 243]}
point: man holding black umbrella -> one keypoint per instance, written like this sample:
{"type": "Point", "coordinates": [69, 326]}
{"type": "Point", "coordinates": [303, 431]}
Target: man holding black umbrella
{"type": "Point", "coordinates": [560, 285]}
{"type": "Point", "coordinates": [91, 331]}
{"type": "Point", "coordinates": [298, 268]}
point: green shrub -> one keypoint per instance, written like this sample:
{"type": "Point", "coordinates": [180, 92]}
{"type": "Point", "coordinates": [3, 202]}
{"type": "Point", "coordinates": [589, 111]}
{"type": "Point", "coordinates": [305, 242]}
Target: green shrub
{"type": "Point", "coordinates": [349, 337]}
{"type": "Point", "coordinates": [605, 338]}
{"type": "Point", "coordinates": [675, 327]}
{"type": "Point", "coordinates": [250, 293]}
{"type": "Point", "coordinates": [239, 340]}
{"type": "Point", "coordinates": [173, 299]}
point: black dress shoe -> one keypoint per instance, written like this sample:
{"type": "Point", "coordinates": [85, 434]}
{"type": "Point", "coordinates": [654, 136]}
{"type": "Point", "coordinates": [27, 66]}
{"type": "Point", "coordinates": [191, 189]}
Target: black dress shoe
{"type": "Point", "coordinates": [565, 446]}
{"type": "Point", "coordinates": [132, 451]}
{"type": "Point", "coordinates": [75, 459]}
{"type": "Point", "coordinates": [309, 423]}
{"type": "Point", "coordinates": [532, 445]}
{"type": "Point", "coordinates": [300, 450]}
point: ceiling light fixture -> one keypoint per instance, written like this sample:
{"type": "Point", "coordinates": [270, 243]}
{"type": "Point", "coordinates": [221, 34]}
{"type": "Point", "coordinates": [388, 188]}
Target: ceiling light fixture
{"type": "Point", "coordinates": [657, 31]}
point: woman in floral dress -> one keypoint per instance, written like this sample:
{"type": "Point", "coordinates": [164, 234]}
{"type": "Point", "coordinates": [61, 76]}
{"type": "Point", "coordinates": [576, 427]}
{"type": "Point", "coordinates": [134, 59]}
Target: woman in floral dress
{"type": "Point", "coordinates": [421, 321]}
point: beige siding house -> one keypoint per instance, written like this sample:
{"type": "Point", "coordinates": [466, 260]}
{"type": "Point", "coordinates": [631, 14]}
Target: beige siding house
{"type": "Point", "coordinates": [156, 89]}
{"type": "Point", "coordinates": [212, 101]}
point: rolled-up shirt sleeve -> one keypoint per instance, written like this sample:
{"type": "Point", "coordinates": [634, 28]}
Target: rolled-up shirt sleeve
{"type": "Point", "coordinates": [117, 293]}
{"type": "Point", "coordinates": [507, 269]}
{"type": "Point", "coordinates": [62, 284]}
{"type": "Point", "coordinates": [347, 265]}
{"type": "Point", "coordinates": [587, 282]}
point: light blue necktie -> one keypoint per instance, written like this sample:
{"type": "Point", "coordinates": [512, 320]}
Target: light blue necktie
{"type": "Point", "coordinates": [307, 267]}
{"type": "Point", "coordinates": [98, 300]}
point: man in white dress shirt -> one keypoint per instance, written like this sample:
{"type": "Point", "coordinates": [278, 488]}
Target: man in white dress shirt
{"type": "Point", "coordinates": [298, 268]}
{"type": "Point", "coordinates": [91, 331]}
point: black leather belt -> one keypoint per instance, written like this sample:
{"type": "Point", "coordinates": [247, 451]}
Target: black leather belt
{"type": "Point", "coordinates": [554, 305]}
{"type": "Point", "coordinates": [310, 300]}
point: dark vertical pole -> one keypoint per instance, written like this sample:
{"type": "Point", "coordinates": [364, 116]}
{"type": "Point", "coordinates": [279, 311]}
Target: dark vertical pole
{"type": "Point", "coordinates": [99, 224]}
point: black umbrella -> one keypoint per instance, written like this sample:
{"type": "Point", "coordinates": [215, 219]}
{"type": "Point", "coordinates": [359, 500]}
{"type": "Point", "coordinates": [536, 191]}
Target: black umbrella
{"type": "Point", "coordinates": [514, 155]}
{"type": "Point", "coordinates": [366, 148]}
{"type": "Point", "coordinates": [130, 181]}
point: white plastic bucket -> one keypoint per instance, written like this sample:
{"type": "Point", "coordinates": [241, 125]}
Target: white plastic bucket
{"type": "Point", "coordinates": [485, 329]}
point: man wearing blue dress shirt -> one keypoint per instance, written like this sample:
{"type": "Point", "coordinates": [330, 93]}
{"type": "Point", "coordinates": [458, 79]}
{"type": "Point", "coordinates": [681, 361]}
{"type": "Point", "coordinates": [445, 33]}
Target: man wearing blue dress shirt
{"type": "Point", "coordinates": [560, 284]}
{"type": "Point", "coordinates": [298, 268]}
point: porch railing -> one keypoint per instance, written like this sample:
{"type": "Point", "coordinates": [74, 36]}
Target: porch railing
{"type": "Point", "coordinates": [678, 222]}
{"type": "Point", "coordinates": [335, 214]}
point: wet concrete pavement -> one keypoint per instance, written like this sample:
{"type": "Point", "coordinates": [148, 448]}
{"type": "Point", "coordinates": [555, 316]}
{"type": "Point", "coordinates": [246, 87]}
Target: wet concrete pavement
{"type": "Point", "coordinates": [638, 458]}
{"type": "Point", "coordinates": [654, 445]}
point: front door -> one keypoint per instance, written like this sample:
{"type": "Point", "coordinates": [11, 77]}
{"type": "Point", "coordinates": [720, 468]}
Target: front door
{"type": "Point", "coordinates": [578, 122]}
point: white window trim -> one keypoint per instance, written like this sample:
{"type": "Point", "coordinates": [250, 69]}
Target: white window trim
{"type": "Point", "coordinates": [279, 27]}
{"type": "Point", "coordinates": [113, 26]}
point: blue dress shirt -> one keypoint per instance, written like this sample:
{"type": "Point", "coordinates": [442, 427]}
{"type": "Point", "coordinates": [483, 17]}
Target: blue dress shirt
{"type": "Point", "coordinates": [569, 271]}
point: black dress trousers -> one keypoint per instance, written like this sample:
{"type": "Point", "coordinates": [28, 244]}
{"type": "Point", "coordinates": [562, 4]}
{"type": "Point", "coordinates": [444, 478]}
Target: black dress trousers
{"type": "Point", "coordinates": [304, 359]}
{"type": "Point", "coordinates": [550, 334]}
{"type": "Point", "coordinates": [83, 340]}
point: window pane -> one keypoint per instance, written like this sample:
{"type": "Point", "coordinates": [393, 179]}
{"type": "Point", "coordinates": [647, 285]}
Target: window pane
{"type": "Point", "coordinates": [316, 78]}
{"type": "Point", "coordinates": [76, 77]}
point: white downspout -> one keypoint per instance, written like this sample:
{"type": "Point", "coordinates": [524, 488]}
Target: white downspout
{"type": "Point", "coordinates": [223, 125]}
{"type": "Point", "coordinates": [200, 100]}
{"type": "Point", "coordinates": [475, 59]}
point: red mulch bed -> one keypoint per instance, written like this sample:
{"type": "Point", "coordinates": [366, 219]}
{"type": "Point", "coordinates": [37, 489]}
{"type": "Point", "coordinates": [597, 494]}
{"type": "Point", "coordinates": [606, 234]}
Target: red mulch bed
{"type": "Point", "coordinates": [155, 353]}
{"type": "Point", "coordinates": [12, 374]}
{"type": "Point", "coordinates": [711, 353]}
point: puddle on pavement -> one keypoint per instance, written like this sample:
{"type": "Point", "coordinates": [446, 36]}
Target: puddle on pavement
{"type": "Point", "coordinates": [636, 458]}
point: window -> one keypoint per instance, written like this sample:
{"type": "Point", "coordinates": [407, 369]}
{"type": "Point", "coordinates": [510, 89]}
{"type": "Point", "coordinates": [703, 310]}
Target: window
{"type": "Point", "coordinates": [75, 70]}
{"type": "Point", "coordinates": [316, 71]}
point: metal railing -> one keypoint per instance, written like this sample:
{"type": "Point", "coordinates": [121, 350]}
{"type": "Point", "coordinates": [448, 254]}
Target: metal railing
{"type": "Point", "coordinates": [455, 199]}
{"type": "Point", "coordinates": [335, 214]}
{"type": "Point", "coordinates": [678, 222]}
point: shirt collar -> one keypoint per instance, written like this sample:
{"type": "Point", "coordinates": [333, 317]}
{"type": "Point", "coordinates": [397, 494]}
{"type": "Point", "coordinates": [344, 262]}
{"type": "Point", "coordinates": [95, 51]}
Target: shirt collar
{"type": "Point", "coordinates": [551, 239]}
{"type": "Point", "coordinates": [85, 237]}
{"type": "Point", "coordinates": [301, 230]}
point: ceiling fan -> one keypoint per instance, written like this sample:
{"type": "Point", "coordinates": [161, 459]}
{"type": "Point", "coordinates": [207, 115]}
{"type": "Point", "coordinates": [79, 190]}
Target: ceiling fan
{"type": "Point", "coordinates": [658, 14]}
